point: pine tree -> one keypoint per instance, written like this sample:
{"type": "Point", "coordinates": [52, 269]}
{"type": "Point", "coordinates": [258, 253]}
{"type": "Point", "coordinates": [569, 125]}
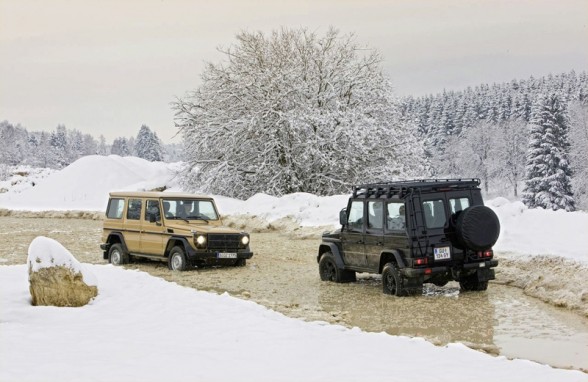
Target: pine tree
{"type": "Point", "coordinates": [148, 145]}
{"type": "Point", "coordinates": [59, 148]}
{"type": "Point", "coordinates": [120, 147]}
{"type": "Point", "coordinates": [548, 173]}
{"type": "Point", "coordinates": [102, 145]}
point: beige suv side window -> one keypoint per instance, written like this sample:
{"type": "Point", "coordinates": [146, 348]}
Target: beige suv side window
{"type": "Point", "coordinates": [115, 208]}
{"type": "Point", "coordinates": [134, 210]}
{"type": "Point", "coordinates": [152, 210]}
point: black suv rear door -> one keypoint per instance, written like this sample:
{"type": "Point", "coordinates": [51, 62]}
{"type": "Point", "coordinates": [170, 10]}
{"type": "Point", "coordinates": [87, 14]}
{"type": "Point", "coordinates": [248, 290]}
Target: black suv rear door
{"type": "Point", "coordinates": [436, 221]}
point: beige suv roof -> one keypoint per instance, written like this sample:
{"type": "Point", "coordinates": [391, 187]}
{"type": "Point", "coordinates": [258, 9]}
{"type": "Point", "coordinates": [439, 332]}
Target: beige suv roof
{"type": "Point", "coordinates": [153, 194]}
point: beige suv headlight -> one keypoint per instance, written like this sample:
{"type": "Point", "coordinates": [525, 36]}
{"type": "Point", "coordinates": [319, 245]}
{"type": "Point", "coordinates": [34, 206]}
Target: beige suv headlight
{"type": "Point", "coordinates": [244, 241]}
{"type": "Point", "coordinates": [200, 240]}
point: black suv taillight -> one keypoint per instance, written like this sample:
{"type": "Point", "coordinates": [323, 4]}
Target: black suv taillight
{"type": "Point", "coordinates": [487, 254]}
{"type": "Point", "coordinates": [420, 261]}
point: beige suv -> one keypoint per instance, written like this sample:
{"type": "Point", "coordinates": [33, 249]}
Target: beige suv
{"type": "Point", "coordinates": [183, 229]}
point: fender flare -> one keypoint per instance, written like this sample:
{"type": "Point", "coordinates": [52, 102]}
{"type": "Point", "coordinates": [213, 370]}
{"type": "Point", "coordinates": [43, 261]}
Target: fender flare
{"type": "Point", "coordinates": [121, 239]}
{"type": "Point", "coordinates": [171, 243]}
{"type": "Point", "coordinates": [386, 254]}
{"type": "Point", "coordinates": [334, 249]}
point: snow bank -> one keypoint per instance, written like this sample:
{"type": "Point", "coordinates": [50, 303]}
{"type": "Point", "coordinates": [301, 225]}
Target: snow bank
{"type": "Point", "coordinates": [85, 184]}
{"type": "Point", "coordinates": [306, 209]}
{"type": "Point", "coordinates": [541, 232]}
{"type": "Point", "coordinates": [147, 329]}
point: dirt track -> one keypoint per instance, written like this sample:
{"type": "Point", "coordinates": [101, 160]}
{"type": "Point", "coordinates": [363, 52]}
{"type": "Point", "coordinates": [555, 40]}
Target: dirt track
{"type": "Point", "coordinates": [283, 275]}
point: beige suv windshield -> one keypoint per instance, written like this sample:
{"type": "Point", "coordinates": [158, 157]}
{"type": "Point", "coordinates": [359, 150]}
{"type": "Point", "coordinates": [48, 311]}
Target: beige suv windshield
{"type": "Point", "coordinates": [189, 209]}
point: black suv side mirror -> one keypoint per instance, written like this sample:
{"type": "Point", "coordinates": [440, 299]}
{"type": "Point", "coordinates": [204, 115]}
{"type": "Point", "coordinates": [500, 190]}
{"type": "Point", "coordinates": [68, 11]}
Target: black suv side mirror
{"type": "Point", "coordinates": [343, 217]}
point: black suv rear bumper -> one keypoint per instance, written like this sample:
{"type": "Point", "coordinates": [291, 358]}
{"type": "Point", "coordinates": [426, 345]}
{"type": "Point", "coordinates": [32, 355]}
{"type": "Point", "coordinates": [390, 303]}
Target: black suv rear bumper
{"type": "Point", "coordinates": [416, 272]}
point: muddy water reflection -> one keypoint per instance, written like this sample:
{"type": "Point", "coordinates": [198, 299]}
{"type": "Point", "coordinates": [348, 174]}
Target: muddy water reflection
{"type": "Point", "coordinates": [500, 321]}
{"type": "Point", "coordinates": [440, 315]}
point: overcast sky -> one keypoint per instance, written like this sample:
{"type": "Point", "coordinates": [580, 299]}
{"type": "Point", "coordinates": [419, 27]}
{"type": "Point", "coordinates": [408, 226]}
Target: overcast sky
{"type": "Point", "coordinates": [107, 67]}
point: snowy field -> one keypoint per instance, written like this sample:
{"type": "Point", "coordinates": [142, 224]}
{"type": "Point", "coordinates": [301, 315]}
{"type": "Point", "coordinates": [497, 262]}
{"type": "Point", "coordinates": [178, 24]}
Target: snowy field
{"type": "Point", "coordinates": [146, 329]}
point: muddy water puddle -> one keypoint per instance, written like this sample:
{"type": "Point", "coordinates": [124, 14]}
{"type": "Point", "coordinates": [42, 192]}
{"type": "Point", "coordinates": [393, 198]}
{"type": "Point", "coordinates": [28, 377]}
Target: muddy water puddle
{"type": "Point", "coordinates": [283, 275]}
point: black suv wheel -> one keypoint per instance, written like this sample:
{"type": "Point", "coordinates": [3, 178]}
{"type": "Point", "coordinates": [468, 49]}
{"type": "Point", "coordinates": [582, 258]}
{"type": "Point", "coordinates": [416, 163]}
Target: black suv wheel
{"type": "Point", "coordinates": [392, 281]}
{"type": "Point", "coordinates": [471, 283]}
{"type": "Point", "coordinates": [329, 271]}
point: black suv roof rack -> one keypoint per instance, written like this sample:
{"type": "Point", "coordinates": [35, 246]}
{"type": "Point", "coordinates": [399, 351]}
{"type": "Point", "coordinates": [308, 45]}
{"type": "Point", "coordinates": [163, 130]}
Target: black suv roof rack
{"type": "Point", "coordinates": [402, 187]}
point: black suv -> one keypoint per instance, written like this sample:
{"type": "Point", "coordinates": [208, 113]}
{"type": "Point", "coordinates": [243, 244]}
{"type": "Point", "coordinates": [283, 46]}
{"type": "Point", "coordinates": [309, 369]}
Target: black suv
{"type": "Point", "coordinates": [413, 232]}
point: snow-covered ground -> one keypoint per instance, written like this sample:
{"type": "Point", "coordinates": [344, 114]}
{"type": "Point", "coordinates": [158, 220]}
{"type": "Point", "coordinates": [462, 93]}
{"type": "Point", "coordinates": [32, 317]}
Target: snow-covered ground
{"type": "Point", "coordinates": [143, 328]}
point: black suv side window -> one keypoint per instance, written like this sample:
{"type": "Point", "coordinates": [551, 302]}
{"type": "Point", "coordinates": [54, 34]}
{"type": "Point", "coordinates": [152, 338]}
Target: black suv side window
{"type": "Point", "coordinates": [396, 218]}
{"type": "Point", "coordinates": [376, 215]}
{"type": "Point", "coordinates": [134, 210]}
{"type": "Point", "coordinates": [355, 217]}
{"type": "Point", "coordinates": [434, 211]}
{"type": "Point", "coordinates": [115, 208]}
{"type": "Point", "coordinates": [458, 204]}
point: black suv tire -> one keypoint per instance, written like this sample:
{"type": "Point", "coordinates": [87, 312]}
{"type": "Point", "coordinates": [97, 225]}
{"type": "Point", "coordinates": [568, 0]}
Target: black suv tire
{"type": "Point", "coordinates": [392, 282]}
{"type": "Point", "coordinates": [477, 228]}
{"type": "Point", "coordinates": [330, 272]}
{"type": "Point", "coordinates": [471, 283]}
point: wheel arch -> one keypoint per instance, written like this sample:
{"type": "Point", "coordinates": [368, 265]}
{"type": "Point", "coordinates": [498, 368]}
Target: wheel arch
{"type": "Point", "coordinates": [117, 238]}
{"type": "Point", "coordinates": [334, 249]}
{"type": "Point", "coordinates": [392, 256]}
{"type": "Point", "coordinates": [174, 241]}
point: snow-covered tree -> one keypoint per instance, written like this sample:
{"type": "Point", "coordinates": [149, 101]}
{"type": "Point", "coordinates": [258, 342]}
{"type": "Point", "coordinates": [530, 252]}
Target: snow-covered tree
{"type": "Point", "coordinates": [511, 148]}
{"type": "Point", "coordinates": [148, 145]}
{"type": "Point", "coordinates": [579, 151]}
{"type": "Point", "coordinates": [120, 147]}
{"type": "Point", "coordinates": [43, 151]}
{"type": "Point", "coordinates": [14, 141]}
{"type": "Point", "coordinates": [294, 112]}
{"type": "Point", "coordinates": [102, 150]}
{"type": "Point", "coordinates": [173, 152]}
{"type": "Point", "coordinates": [472, 154]}
{"type": "Point", "coordinates": [89, 145]}
{"type": "Point", "coordinates": [548, 173]}
{"type": "Point", "coordinates": [75, 145]}
{"type": "Point", "coordinates": [59, 148]}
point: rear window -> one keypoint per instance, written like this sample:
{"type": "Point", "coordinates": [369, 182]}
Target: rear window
{"type": "Point", "coordinates": [458, 204]}
{"type": "Point", "coordinates": [115, 208]}
{"type": "Point", "coordinates": [434, 211]}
